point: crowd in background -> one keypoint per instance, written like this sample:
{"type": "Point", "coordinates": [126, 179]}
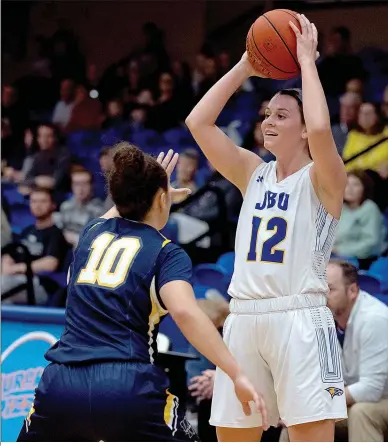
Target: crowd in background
{"type": "Point", "coordinates": [148, 93]}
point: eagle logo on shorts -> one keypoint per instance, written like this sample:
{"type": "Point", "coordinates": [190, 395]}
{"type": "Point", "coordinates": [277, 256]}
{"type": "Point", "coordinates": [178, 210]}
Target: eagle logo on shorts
{"type": "Point", "coordinates": [334, 391]}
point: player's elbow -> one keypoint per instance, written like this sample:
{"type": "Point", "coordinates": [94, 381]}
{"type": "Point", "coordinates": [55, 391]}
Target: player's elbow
{"type": "Point", "coordinates": [181, 314]}
{"type": "Point", "coordinates": [192, 121]}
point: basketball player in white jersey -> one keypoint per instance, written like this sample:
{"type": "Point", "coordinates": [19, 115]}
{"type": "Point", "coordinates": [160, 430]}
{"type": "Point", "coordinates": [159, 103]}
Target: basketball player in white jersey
{"type": "Point", "coordinates": [280, 328]}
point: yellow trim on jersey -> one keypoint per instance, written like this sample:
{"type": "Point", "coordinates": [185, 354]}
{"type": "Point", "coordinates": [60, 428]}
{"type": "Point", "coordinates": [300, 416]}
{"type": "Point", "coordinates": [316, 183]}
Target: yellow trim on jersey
{"type": "Point", "coordinates": [171, 411]}
{"type": "Point", "coordinates": [166, 242]}
{"type": "Point", "coordinates": [157, 311]}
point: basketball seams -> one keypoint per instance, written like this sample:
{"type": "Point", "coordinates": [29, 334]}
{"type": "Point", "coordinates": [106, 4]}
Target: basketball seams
{"type": "Point", "coordinates": [262, 55]}
{"type": "Point", "coordinates": [284, 43]}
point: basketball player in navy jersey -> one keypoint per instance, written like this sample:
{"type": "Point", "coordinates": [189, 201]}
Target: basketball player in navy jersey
{"type": "Point", "coordinates": [102, 383]}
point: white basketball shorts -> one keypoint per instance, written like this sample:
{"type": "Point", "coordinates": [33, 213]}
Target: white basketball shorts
{"type": "Point", "coordinates": [288, 348]}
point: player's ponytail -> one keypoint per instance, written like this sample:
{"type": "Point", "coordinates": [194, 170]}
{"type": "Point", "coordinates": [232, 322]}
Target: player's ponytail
{"type": "Point", "coordinates": [133, 180]}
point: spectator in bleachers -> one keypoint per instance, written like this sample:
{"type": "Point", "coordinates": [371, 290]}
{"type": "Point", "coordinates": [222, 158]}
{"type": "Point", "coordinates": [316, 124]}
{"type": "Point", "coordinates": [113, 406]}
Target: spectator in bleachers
{"type": "Point", "coordinates": [14, 117]}
{"type": "Point", "coordinates": [86, 113]}
{"type": "Point", "coordinates": [50, 165]}
{"type": "Point", "coordinates": [223, 63]}
{"type": "Point", "coordinates": [362, 327]}
{"type": "Point", "coordinates": [254, 141]}
{"type": "Point", "coordinates": [45, 243]}
{"type": "Point", "coordinates": [133, 84]}
{"type": "Point", "coordinates": [186, 170]}
{"type": "Point", "coordinates": [384, 105]}
{"type": "Point", "coordinates": [370, 131]}
{"type": "Point", "coordinates": [355, 86]}
{"type": "Point", "coordinates": [64, 107]}
{"type": "Point", "coordinates": [339, 65]}
{"type": "Point", "coordinates": [106, 162]}
{"type": "Point", "coordinates": [167, 112]}
{"type": "Point", "coordinates": [92, 81]}
{"type": "Point", "coordinates": [76, 212]}
{"type": "Point", "coordinates": [183, 84]}
{"type": "Point", "coordinates": [349, 105]}
{"type": "Point", "coordinates": [12, 173]}
{"type": "Point", "coordinates": [114, 114]}
{"type": "Point", "coordinates": [210, 77]}
{"type": "Point", "coordinates": [6, 233]}
{"type": "Point", "coordinates": [361, 229]}
{"type": "Point", "coordinates": [198, 72]}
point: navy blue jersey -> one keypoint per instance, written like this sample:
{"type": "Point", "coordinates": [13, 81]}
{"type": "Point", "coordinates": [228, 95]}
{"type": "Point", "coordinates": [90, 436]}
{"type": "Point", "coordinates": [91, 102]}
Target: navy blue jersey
{"type": "Point", "coordinates": [113, 305]}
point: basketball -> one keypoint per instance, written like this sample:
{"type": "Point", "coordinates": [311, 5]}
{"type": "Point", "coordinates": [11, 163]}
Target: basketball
{"type": "Point", "coordinates": [271, 45]}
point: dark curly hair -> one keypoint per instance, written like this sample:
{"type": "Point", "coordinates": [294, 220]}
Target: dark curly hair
{"type": "Point", "coordinates": [133, 181]}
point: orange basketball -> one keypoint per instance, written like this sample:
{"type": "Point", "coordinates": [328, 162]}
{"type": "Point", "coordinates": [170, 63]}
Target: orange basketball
{"type": "Point", "coordinates": [271, 44]}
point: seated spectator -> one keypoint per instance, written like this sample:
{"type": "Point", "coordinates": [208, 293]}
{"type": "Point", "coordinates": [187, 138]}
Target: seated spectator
{"type": "Point", "coordinates": [186, 170]}
{"type": "Point", "coordinates": [14, 120]}
{"type": "Point", "coordinates": [114, 114]}
{"type": "Point", "coordinates": [75, 213]}
{"type": "Point", "coordinates": [6, 233]}
{"type": "Point", "coordinates": [349, 106]}
{"type": "Point", "coordinates": [106, 162]}
{"type": "Point", "coordinates": [14, 175]}
{"type": "Point", "coordinates": [167, 112]}
{"type": "Point", "coordinates": [45, 243]}
{"type": "Point", "coordinates": [254, 141]}
{"type": "Point", "coordinates": [183, 85]}
{"type": "Point", "coordinates": [355, 86]}
{"type": "Point", "coordinates": [362, 324]}
{"type": "Point", "coordinates": [370, 132]}
{"type": "Point", "coordinates": [209, 77]}
{"type": "Point", "coordinates": [50, 165]}
{"type": "Point", "coordinates": [338, 59]}
{"type": "Point", "coordinates": [361, 230]}
{"type": "Point", "coordinates": [86, 113]}
{"type": "Point", "coordinates": [64, 107]}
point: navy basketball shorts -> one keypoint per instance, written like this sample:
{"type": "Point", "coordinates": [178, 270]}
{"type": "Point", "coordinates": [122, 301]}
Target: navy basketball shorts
{"type": "Point", "coordinates": [113, 401]}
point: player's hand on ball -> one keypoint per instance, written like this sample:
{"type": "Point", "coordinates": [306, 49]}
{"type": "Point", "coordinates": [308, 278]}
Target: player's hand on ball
{"type": "Point", "coordinates": [306, 41]}
{"type": "Point", "coordinates": [246, 392]}
{"type": "Point", "coordinates": [168, 162]}
{"type": "Point", "coordinates": [247, 65]}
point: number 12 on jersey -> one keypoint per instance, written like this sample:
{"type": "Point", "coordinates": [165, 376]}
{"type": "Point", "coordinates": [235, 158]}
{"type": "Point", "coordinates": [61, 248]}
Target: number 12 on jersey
{"type": "Point", "coordinates": [268, 251]}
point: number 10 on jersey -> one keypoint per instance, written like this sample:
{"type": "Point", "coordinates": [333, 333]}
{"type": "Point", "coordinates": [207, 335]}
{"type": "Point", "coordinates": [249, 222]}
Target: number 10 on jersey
{"type": "Point", "coordinates": [268, 252]}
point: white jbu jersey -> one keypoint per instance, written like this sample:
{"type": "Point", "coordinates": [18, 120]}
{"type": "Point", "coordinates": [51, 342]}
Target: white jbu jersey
{"type": "Point", "coordinates": [284, 237]}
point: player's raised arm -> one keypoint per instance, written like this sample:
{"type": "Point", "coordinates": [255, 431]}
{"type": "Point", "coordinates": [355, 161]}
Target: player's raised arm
{"type": "Point", "coordinates": [178, 297]}
{"type": "Point", "coordinates": [233, 162]}
{"type": "Point", "coordinates": [328, 173]}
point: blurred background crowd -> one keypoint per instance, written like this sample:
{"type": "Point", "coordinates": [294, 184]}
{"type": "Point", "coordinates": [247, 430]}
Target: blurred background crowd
{"type": "Point", "coordinates": [65, 102]}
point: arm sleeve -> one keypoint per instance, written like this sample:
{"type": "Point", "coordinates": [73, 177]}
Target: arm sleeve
{"type": "Point", "coordinates": [172, 264]}
{"type": "Point", "coordinates": [373, 362]}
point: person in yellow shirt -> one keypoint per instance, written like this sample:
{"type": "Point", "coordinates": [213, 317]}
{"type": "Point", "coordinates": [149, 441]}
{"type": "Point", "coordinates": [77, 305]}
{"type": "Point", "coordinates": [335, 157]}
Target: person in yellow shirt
{"type": "Point", "coordinates": [370, 130]}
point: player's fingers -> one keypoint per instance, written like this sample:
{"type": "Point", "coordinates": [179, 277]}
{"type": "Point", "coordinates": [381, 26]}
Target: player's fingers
{"type": "Point", "coordinates": [208, 373]}
{"type": "Point", "coordinates": [167, 158]}
{"type": "Point", "coordinates": [246, 408]}
{"type": "Point", "coordinates": [295, 29]}
{"type": "Point", "coordinates": [315, 33]}
{"type": "Point", "coordinates": [172, 163]}
{"type": "Point", "coordinates": [302, 24]}
{"type": "Point", "coordinates": [308, 28]}
{"type": "Point", "coordinates": [160, 157]}
{"type": "Point", "coordinates": [264, 413]}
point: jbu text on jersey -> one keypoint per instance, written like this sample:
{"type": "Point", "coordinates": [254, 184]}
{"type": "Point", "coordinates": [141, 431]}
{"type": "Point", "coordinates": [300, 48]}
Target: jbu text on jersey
{"type": "Point", "coordinates": [272, 199]}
